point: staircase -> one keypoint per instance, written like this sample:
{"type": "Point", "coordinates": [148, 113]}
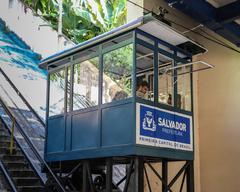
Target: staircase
{"type": "Point", "coordinates": [19, 169]}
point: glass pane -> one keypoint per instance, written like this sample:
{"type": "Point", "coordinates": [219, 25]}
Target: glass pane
{"type": "Point", "coordinates": [117, 40]}
{"type": "Point", "coordinates": [86, 54]}
{"type": "Point", "coordinates": [56, 96]}
{"type": "Point", "coordinates": [85, 86]}
{"type": "Point", "coordinates": [146, 39]}
{"type": "Point", "coordinates": [117, 70]}
{"type": "Point", "coordinates": [68, 88]}
{"type": "Point", "coordinates": [165, 80]}
{"type": "Point", "coordinates": [165, 48]}
{"type": "Point", "coordinates": [144, 70]}
{"type": "Point", "coordinates": [184, 88]}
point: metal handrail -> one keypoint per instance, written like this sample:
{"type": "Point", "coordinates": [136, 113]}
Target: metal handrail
{"type": "Point", "coordinates": [82, 99]}
{"type": "Point", "coordinates": [12, 137]}
{"type": "Point", "coordinates": [22, 97]}
{"type": "Point", "coordinates": [29, 142]}
{"type": "Point", "coordinates": [24, 151]}
{"type": "Point", "coordinates": [6, 174]}
{"type": "Point", "coordinates": [24, 123]}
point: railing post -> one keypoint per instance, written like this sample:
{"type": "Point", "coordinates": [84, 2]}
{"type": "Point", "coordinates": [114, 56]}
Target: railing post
{"type": "Point", "coordinates": [12, 137]}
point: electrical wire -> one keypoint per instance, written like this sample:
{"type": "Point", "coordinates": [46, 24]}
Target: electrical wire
{"type": "Point", "coordinates": [203, 31]}
{"type": "Point", "coordinates": [208, 37]}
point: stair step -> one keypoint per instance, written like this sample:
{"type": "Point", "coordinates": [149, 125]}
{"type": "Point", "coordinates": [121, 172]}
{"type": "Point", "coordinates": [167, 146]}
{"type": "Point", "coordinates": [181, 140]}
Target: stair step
{"type": "Point", "coordinates": [31, 189]}
{"type": "Point", "coordinates": [19, 169]}
{"type": "Point", "coordinates": [27, 181]}
{"type": "Point", "coordinates": [5, 150]}
{"type": "Point", "coordinates": [5, 138]}
{"type": "Point", "coordinates": [5, 143]}
{"type": "Point", "coordinates": [2, 133]}
{"type": "Point", "coordinates": [13, 157]}
{"type": "Point", "coordinates": [22, 173]}
{"type": "Point", "coordinates": [2, 129]}
{"type": "Point", "coordinates": [16, 164]}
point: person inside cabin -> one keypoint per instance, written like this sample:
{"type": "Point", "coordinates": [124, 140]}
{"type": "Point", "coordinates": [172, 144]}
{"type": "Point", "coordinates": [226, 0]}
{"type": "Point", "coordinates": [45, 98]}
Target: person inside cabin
{"type": "Point", "coordinates": [169, 100]}
{"type": "Point", "coordinates": [120, 95]}
{"type": "Point", "coordinates": [142, 89]}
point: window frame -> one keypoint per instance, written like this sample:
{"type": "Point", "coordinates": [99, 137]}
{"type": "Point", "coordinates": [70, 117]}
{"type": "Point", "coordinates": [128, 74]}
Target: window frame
{"type": "Point", "coordinates": [108, 50]}
{"type": "Point", "coordinates": [52, 71]}
{"type": "Point", "coordinates": [76, 62]}
{"type": "Point", "coordinates": [173, 55]}
{"type": "Point", "coordinates": [70, 61]}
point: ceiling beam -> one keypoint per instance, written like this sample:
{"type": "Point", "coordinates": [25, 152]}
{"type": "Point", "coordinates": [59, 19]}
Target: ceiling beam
{"type": "Point", "coordinates": [203, 12]}
{"type": "Point", "coordinates": [228, 13]}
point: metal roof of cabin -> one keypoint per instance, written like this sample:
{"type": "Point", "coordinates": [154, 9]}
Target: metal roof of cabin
{"type": "Point", "coordinates": [146, 23]}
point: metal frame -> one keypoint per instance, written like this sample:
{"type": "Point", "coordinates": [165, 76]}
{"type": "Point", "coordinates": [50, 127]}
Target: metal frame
{"type": "Point", "coordinates": [175, 59]}
{"type": "Point", "coordinates": [72, 62]}
{"type": "Point", "coordinates": [207, 66]}
{"type": "Point", "coordinates": [138, 169]}
{"type": "Point", "coordinates": [134, 40]}
{"type": "Point", "coordinates": [137, 163]}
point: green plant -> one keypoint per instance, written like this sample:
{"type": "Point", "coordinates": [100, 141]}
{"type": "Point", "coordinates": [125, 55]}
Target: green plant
{"type": "Point", "coordinates": [82, 19]}
{"type": "Point", "coordinates": [106, 14]}
{"type": "Point", "coordinates": [118, 66]}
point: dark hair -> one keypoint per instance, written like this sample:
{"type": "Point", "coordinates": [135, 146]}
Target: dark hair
{"type": "Point", "coordinates": [142, 83]}
{"type": "Point", "coordinates": [120, 95]}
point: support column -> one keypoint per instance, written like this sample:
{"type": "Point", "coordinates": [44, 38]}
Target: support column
{"type": "Point", "coordinates": [138, 174]}
{"type": "Point", "coordinates": [190, 177]}
{"type": "Point", "coordinates": [164, 175]}
{"type": "Point", "coordinates": [109, 175]}
{"type": "Point", "coordinates": [85, 186]}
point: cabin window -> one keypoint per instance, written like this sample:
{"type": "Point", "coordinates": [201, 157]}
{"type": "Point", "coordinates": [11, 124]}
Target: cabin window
{"type": "Point", "coordinates": [165, 80]}
{"type": "Point", "coordinates": [57, 90]}
{"type": "Point", "coordinates": [184, 87]}
{"type": "Point", "coordinates": [85, 83]}
{"type": "Point", "coordinates": [145, 39]}
{"type": "Point", "coordinates": [144, 72]}
{"type": "Point", "coordinates": [117, 71]}
{"type": "Point", "coordinates": [116, 41]}
{"type": "Point", "coordinates": [165, 48]}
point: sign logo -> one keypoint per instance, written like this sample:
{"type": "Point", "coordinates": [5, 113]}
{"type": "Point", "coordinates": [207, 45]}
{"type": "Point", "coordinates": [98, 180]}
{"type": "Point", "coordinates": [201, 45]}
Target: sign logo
{"type": "Point", "coordinates": [148, 122]}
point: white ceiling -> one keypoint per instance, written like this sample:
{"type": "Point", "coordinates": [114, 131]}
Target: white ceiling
{"type": "Point", "coordinates": [237, 21]}
{"type": "Point", "coordinates": [220, 3]}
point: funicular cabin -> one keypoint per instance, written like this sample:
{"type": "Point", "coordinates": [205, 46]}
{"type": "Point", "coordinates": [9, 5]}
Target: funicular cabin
{"type": "Point", "coordinates": [94, 110]}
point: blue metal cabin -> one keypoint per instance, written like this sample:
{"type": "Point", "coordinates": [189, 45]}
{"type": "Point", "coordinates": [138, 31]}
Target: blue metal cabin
{"type": "Point", "coordinates": [93, 110]}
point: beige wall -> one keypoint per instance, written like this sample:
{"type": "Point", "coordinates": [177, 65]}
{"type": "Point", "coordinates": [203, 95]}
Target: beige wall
{"type": "Point", "coordinates": [133, 10]}
{"type": "Point", "coordinates": [217, 113]}
{"type": "Point", "coordinates": [219, 120]}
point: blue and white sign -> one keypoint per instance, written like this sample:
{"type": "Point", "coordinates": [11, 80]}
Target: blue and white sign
{"type": "Point", "coordinates": [162, 128]}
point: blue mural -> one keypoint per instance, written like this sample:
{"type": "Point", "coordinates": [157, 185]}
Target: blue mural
{"type": "Point", "coordinates": [20, 63]}
{"type": "Point", "coordinates": [15, 51]}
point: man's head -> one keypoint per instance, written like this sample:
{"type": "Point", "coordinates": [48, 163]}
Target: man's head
{"type": "Point", "coordinates": [143, 87]}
